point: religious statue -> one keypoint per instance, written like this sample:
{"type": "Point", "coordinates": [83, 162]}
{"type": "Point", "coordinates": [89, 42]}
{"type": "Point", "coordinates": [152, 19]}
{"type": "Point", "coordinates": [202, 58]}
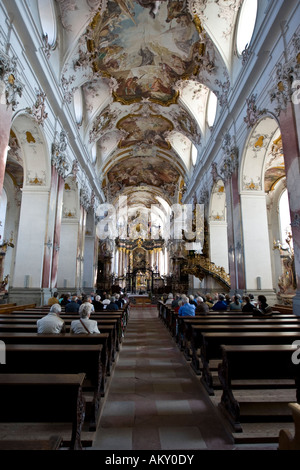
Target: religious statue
{"type": "Point", "coordinates": [287, 280]}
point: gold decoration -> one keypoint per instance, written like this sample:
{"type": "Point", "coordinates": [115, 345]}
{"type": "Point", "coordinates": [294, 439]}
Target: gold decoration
{"type": "Point", "coordinates": [259, 142]}
{"type": "Point", "coordinates": [199, 266]}
{"type": "Point", "coordinates": [30, 137]}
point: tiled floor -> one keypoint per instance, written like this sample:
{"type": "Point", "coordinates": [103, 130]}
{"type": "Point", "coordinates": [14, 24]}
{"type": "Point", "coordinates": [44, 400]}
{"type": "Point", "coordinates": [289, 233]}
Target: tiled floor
{"type": "Point", "coordinates": [155, 401]}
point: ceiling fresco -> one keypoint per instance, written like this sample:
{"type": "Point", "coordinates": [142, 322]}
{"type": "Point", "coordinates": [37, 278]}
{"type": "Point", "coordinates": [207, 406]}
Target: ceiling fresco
{"type": "Point", "coordinates": [145, 69]}
{"type": "Point", "coordinates": [150, 171]}
{"type": "Point", "coordinates": [146, 129]}
{"type": "Point", "coordinates": [150, 66]}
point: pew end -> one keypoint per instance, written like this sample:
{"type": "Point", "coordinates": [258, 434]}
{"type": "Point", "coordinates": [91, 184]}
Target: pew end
{"type": "Point", "coordinates": [286, 440]}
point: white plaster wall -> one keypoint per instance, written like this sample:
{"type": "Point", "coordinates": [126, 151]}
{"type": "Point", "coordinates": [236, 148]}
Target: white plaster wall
{"type": "Point", "coordinates": [31, 238]}
{"type": "Point", "coordinates": [68, 254]}
{"type": "Point", "coordinates": [88, 266]}
{"type": "Point", "coordinates": [256, 241]}
{"type": "Point", "coordinates": [219, 244]}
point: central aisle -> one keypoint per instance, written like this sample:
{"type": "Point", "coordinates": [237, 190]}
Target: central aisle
{"type": "Point", "coordinates": [155, 401]}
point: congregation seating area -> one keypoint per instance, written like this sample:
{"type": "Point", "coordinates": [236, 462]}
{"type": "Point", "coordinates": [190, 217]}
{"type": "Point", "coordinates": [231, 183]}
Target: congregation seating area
{"type": "Point", "coordinates": [248, 368]}
{"type": "Point", "coordinates": [54, 385]}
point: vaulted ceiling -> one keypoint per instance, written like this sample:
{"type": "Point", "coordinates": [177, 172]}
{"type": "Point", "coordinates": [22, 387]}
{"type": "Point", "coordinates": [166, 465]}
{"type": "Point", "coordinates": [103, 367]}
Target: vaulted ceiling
{"type": "Point", "coordinates": [144, 71]}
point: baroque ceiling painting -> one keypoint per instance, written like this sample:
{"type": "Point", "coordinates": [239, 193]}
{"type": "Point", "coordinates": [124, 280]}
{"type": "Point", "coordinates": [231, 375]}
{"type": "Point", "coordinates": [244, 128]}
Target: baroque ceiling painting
{"type": "Point", "coordinates": [150, 66]}
{"type": "Point", "coordinates": [137, 171]}
{"type": "Point", "coordinates": [145, 70]}
{"type": "Point", "coordinates": [149, 130]}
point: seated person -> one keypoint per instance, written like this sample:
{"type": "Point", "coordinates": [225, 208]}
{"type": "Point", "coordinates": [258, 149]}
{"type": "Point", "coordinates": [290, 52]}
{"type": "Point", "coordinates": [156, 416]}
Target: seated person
{"type": "Point", "coordinates": [236, 304]}
{"type": "Point", "coordinates": [112, 305]}
{"type": "Point", "coordinates": [169, 299]}
{"type": "Point", "coordinates": [65, 299]}
{"type": "Point", "coordinates": [72, 306]}
{"type": "Point", "coordinates": [84, 324]}
{"type": "Point", "coordinates": [51, 323]}
{"type": "Point", "coordinates": [119, 301]}
{"type": "Point", "coordinates": [192, 300]}
{"type": "Point", "coordinates": [220, 304]}
{"type": "Point", "coordinates": [262, 309]}
{"type": "Point", "coordinates": [54, 299]}
{"type": "Point", "coordinates": [202, 307]}
{"type": "Point", "coordinates": [186, 308]}
{"type": "Point", "coordinates": [248, 306]}
{"type": "Point", "coordinates": [98, 305]}
{"type": "Point", "coordinates": [209, 300]}
{"type": "Point", "coordinates": [175, 301]}
{"type": "Point", "coordinates": [106, 302]}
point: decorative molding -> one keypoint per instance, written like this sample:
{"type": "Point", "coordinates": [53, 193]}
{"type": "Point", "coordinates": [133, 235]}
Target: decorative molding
{"type": "Point", "coordinates": [65, 83]}
{"type": "Point", "coordinates": [85, 199]}
{"type": "Point", "coordinates": [214, 172]}
{"type": "Point", "coordinates": [230, 162]}
{"type": "Point", "coordinates": [103, 123]}
{"type": "Point", "coordinates": [285, 74]}
{"type": "Point", "coordinates": [38, 109]}
{"type": "Point", "coordinates": [59, 156]}
{"type": "Point", "coordinates": [251, 185]}
{"type": "Point", "coordinates": [246, 54]}
{"type": "Point", "coordinates": [224, 88]}
{"type": "Point", "coordinates": [9, 84]}
{"type": "Point", "coordinates": [253, 114]}
{"type": "Point", "coordinates": [36, 180]}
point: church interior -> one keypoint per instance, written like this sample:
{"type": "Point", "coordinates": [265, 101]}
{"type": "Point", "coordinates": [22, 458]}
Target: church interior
{"type": "Point", "coordinates": [150, 149]}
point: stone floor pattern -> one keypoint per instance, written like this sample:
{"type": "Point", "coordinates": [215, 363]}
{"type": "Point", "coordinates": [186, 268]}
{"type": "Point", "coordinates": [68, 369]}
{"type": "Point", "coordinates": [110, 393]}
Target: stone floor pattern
{"type": "Point", "coordinates": [155, 401]}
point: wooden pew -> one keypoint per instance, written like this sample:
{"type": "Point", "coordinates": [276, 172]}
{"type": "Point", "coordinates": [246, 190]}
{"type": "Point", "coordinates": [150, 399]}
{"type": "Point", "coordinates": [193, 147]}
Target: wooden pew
{"type": "Point", "coordinates": [211, 352]}
{"type": "Point", "coordinates": [286, 440]}
{"type": "Point", "coordinates": [3, 306]}
{"type": "Point", "coordinates": [186, 324]}
{"type": "Point", "coordinates": [284, 308]}
{"type": "Point", "coordinates": [16, 308]}
{"type": "Point", "coordinates": [122, 314]}
{"type": "Point", "coordinates": [29, 325]}
{"type": "Point", "coordinates": [258, 367]}
{"type": "Point", "coordinates": [53, 443]}
{"type": "Point", "coordinates": [61, 359]}
{"type": "Point", "coordinates": [105, 320]}
{"type": "Point", "coordinates": [64, 339]}
{"type": "Point", "coordinates": [199, 329]}
{"type": "Point", "coordinates": [44, 398]}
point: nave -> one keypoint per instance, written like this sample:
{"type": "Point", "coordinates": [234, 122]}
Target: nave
{"type": "Point", "coordinates": [154, 400]}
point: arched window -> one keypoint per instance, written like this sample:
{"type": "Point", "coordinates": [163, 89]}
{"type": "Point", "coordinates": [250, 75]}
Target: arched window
{"type": "Point", "coordinates": [194, 154]}
{"type": "Point", "coordinates": [211, 109]}
{"type": "Point", "coordinates": [284, 216]}
{"type": "Point", "coordinates": [246, 24]}
{"type": "Point", "coordinates": [3, 206]}
{"type": "Point", "coordinates": [48, 20]}
{"type": "Point", "coordinates": [78, 105]}
{"type": "Point", "coordinates": [94, 152]}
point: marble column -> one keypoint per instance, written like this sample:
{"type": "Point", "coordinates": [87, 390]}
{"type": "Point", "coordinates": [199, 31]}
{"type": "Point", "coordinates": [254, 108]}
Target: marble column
{"type": "Point", "coordinates": [80, 249]}
{"type": "Point", "coordinates": [235, 240]}
{"type": "Point", "coordinates": [290, 142]}
{"type": "Point", "coordinates": [57, 231]}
